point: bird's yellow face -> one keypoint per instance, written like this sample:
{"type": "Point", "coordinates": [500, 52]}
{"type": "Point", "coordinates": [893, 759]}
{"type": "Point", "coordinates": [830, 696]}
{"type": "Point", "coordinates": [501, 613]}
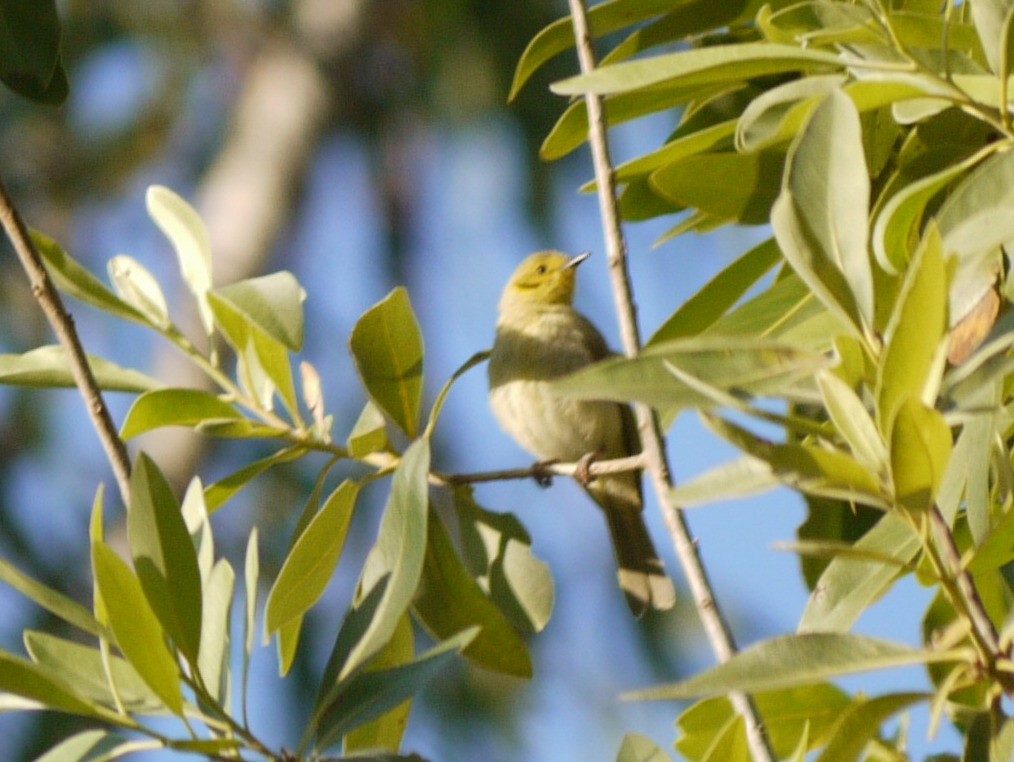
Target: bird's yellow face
{"type": "Point", "coordinates": [546, 277]}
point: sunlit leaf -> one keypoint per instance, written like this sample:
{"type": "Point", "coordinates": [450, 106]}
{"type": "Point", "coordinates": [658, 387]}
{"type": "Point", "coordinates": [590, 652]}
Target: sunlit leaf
{"type": "Point", "coordinates": [164, 556]}
{"type": "Point", "coordinates": [860, 723]}
{"type": "Point", "coordinates": [273, 303]}
{"type": "Point", "coordinates": [388, 349]}
{"type": "Point", "coordinates": [920, 450]}
{"type": "Point", "coordinates": [791, 661]}
{"type": "Point", "coordinates": [48, 367]}
{"type": "Point", "coordinates": [311, 562]}
{"type": "Point", "coordinates": [189, 236]}
{"type": "Point", "coordinates": [138, 632]}
{"type": "Point", "coordinates": [175, 407]}
{"type": "Point", "coordinates": [216, 625]}
{"type": "Point", "coordinates": [638, 748]}
{"type": "Point", "coordinates": [449, 600]}
{"type": "Point", "coordinates": [135, 284]}
{"type": "Point", "coordinates": [51, 600]}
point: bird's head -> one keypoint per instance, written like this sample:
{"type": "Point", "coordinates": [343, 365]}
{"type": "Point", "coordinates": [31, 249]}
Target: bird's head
{"type": "Point", "coordinates": [544, 278]}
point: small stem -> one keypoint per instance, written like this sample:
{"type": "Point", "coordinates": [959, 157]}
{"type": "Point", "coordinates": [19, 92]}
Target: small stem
{"type": "Point", "coordinates": [715, 626]}
{"type": "Point", "coordinates": [595, 468]}
{"type": "Point", "coordinates": [62, 324]}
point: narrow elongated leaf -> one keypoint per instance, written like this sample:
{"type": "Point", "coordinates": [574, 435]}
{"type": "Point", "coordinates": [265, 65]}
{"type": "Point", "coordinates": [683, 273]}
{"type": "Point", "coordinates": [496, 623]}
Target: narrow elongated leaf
{"type": "Point", "coordinates": [175, 407]}
{"type": "Point", "coordinates": [71, 278]}
{"type": "Point", "coordinates": [138, 633]}
{"type": "Point", "coordinates": [699, 66]}
{"type": "Point", "coordinates": [395, 562]}
{"type": "Point", "coordinates": [853, 422]}
{"type": "Point", "coordinates": [189, 236]}
{"type": "Point", "coordinates": [219, 493]}
{"type": "Point", "coordinates": [914, 332]}
{"type": "Point", "coordinates": [989, 16]}
{"type": "Point", "coordinates": [449, 600]}
{"type": "Point", "coordinates": [861, 722]}
{"type": "Point", "coordinates": [386, 732]}
{"type": "Point", "coordinates": [920, 451]}
{"type": "Point", "coordinates": [388, 350]}
{"type": "Point", "coordinates": [794, 660]}
{"type": "Point", "coordinates": [821, 216]}
{"type": "Point", "coordinates": [559, 36]}
{"type": "Point", "coordinates": [51, 600]}
{"type": "Point", "coordinates": [42, 686]}
{"type": "Point", "coordinates": [369, 434]}
{"type": "Point", "coordinates": [216, 637]}
{"type": "Point", "coordinates": [84, 668]}
{"type": "Point", "coordinates": [848, 586]}
{"type": "Point", "coordinates": [370, 694]}
{"type": "Point", "coordinates": [48, 367]}
{"type": "Point", "coordinates": [94, 746]}
{"type": "Point", "coordinates": [311, 562]}
{"type": "Point", "coordinates": [731, 481]}
{"type": "Point", "coordinates": [164, 556]}
{"type": "Point", "coordinates": [251, 571]}
{"type": "Point", "coordinates": [732, 364]}
{"type": "Point", "coordinates": [723, 291]}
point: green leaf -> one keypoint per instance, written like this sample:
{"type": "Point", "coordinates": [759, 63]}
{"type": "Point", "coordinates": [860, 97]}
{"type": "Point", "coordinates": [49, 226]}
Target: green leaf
{"type": "Point", "coordinates": [860, 723]}
{"type": "Point", "coordinates": [71, 278]}
{"type": "Point", "coordinates": [138, 632]}
{"type": "Point", "coordinates": [821, 216]}
{"type": "Point", "coordinates": [308, 568]}
{"type": "Point", "coordinates": [48, 367]}
{"type": "Point", "coordinates": [135, 284]}
{"type": "Point", "coordinates": [848, 586]}
{"type": "Point", "coordinates": [728, 187]}
{"type": "Point", "coordinates": [45, 688]}
{"type": "Point", "coordinates": [920, 450]}
{"type": "Point", "coordinates": [559, 36]}
{"type": "Point", "coordinates": [51, 600]}
{"type": "Point", "coordinates": [388, 350]}
{"type": "Point", "coordinates": [219, 493]}
{"type": "Point", "coordinates": [708, 139]}
{"type": "Point", "coordinates": [786, 714]}
{"type": "Point", "coordinates": [740, 365]}
{"type": "Point", "coordinates": [372, 693]}
{"type": "Point", "coordinates": [853, 422]}
{"type": "Point", "coordinates": [175, 407]}
{"type": "Point", "coordinates": [83, 667]}
{"type": "Point", "coordinates": [791, 661]}
{"type": "Point", "coordinates": [638, 748]}
{"type": "Point", "coordinates": [251, 571]}
{"type": "Point", "coordinates": [730, 481]}
{"type": "Point", "coordinates": [164, 556]}
{"type": "Point", "coordinates": [914, 333]}
{"type": "Point", "coordinates": [186, 231]}
{"type": "Point", "coordinates": [94, 746]}
{"type": "Point", "coordinates": [386, 731]}
{"type": "Point", "coordinates": [273, 303]}
{"type": "Point", "coordinates": [395, 563]}
{"type": "Point", "coordinates": [448, 601]}
{"type": "Point", "coordinates": [974, 222]}
{"type": "Point", "coordinates": [214, 655]}
{"type": "Point", "coordinates": [30, 50]}
{"type": "Point", "coordinates": [700, 66]}
{"type": "Point", "coordinates": [720, 294]}
{"type": "Point", "coordinates": [369, 435]}
{"type": "Point", "coordinates": [498, 551]}
{"type": "Point", "coordinates": [989, 17]}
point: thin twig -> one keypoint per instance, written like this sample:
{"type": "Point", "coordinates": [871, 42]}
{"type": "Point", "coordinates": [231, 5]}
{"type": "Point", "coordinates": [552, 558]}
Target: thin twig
{"type": "Point", "coordinates": [715, 626]}
{"type": "Point", "coordinates": [63, 326]}
{"type": "Point", "coordinates": [541, 470]}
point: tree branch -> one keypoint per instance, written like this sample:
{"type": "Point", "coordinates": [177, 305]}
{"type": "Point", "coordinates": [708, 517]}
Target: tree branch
{"type": "Point", "coordinates": [652, 442]}
{"type": "Point", "coordinates": [63, 326]}
{"type": "Point", "coordinates": [543, 470]}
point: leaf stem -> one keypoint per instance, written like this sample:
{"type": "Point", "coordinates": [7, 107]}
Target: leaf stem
{"type": "Point", "coordinates": [717, 629]}
{"type": "Point", "coordinates": [62, 323]}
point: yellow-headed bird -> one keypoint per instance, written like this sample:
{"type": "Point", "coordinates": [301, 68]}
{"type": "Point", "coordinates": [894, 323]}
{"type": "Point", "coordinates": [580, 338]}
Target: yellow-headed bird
{"type": "Point", "coordinates": [540, 337]}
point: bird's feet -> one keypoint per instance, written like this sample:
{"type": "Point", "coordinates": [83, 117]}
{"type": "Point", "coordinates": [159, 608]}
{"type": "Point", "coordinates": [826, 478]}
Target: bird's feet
{"type": "Point", "coordinates": [541, 473]}
{"type": "Point", "coordinates": [582, 469]}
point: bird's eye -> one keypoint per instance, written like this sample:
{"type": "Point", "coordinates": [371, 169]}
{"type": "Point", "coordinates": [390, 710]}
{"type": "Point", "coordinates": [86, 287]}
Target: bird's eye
{"type": "Point", "coordinates": [541, 270]}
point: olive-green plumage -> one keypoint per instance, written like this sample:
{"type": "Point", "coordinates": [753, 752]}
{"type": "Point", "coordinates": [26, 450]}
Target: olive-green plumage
{"type": "Point", "coordinates": [539, 337]}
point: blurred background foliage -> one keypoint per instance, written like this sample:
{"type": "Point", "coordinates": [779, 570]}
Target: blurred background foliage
{"type": "Point", "coordinates": [283, 122]}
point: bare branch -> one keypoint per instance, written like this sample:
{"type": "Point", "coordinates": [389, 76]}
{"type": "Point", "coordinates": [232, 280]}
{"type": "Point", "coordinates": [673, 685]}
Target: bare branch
{"type": "Point", "coordinates": [541, 470]}
{"type": "Point", "coordinates": [715, 626]}
{"type": "Point", "coordinates": [63, 326]}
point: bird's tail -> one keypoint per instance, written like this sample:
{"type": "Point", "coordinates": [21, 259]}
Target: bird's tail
{"type": "Point", "coordinates": [641, 573]}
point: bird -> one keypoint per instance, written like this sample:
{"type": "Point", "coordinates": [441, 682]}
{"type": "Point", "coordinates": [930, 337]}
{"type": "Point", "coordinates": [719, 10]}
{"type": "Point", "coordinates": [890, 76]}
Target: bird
{"type": "Point", "coordinates": [541, 337]}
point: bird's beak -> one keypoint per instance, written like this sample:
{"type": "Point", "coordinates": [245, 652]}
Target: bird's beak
{"type": "Point", "coordinates": [575, 261]}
